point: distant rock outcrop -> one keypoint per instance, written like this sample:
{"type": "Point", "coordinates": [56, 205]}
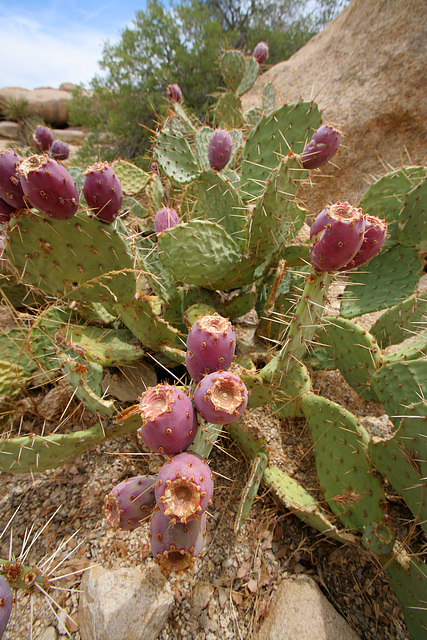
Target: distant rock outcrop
{"type": "Point", "coordinates": [367, 71]}
{"type": "Point", "coordinates": [51, 105]}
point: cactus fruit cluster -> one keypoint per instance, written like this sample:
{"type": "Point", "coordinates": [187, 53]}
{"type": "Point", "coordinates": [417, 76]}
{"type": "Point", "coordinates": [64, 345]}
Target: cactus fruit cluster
{"type": "Point", "coordinates": [44, 141]}
{"type": "Point", "coordinates": [113, 281]}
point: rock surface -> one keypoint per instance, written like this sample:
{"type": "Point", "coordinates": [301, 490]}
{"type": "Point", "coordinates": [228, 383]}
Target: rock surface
{"type": "Point", "coordinates": [49, 104]}
{"type": "Point", "coordinates": [367, 72]}
{"type": "Point", "coordinates": [123, 604]}
{"type": "Point", "coordinates": [300, 610]}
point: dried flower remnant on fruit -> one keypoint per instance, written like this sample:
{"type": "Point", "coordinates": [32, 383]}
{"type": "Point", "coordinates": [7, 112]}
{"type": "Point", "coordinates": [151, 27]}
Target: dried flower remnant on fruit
{"type": "Point", "coordinates": [221, 397]}
{"type": "Point", "coordinates": [184, 487]}
{"type": "Point", "coordinates": [211, 344]}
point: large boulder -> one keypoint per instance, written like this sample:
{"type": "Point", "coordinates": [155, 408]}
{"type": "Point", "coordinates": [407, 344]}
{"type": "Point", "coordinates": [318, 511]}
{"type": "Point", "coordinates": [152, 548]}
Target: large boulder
{"type": "Point", "coordinates": [367, 72]}
{"type": "Point", "coordinates": [51, 105]}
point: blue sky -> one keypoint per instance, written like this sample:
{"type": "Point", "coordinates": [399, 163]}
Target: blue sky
{"type": "Point", "coordinates": [46, 43]}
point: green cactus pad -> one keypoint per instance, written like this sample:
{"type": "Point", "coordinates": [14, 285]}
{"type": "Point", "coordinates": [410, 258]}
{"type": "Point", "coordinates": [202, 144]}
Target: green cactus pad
{"type": "Point", "coordinates": [203, 136]}
{"type": "Point", "coordinates": [76, 259]}
{"type": "Point", "coordinates": [250, 75]}
{"type": "Point", "coordinates": [253, 116]}
{"type": "Point", "coordinates": [240, 304]}
{"type": "Point", "coordinates": [401, 321]}
{"type": "Point", "coordinates": [343, 469]}
{"type": "Point", "coordinates": [206, 436]}
{"type": "Point", "coordinates": [198, 252]}
{"type": "Point", "coordinates": [259, 393]}
{"type": "Point", "coordinates": [258, 466]}
{"type": "Point", "coordinates": [218, 201]}
{"type": "Point", "coordinates": [277, 218]}
{"type": "Point", "coordinates": [400, 385]}
{"type": "Point", "coordinates": [174, 155]}
{"type": "Point", "coordinates": [233, 68]}
{"type": "Point", "coordinates": [352, 350]}
{"type": "Point", "coordinates": [141, 317]}
{"type": "Point", "coordinates": [85, 378]}
{"type": "Point", "coordinates": [154, 192]}
{"type": "Point", "coordinates": [408, 577]}
{"type": "Point", "coordinates": [285, 129]}
{"type": "Point", "coordinates": [384, 199]}
{"type": "Point", "coordinates": [268, 98]}
{"type": "Point", "coordinates": [300, 503]}
{"type": "Point", "coordinates": [193, 313]}
{"type": "Point", "coordinates": [386, 280]}
{"type": "Point", "coordinates": [290, 381]}
{"type": "Point", "coordinates": [133, 179]}
{"type": "Point", "coordinates": [228, 111]}
{"type": "Point", "coordinates": [77, 175]}
{"type": "Point", "coordinates": [402, 460]}
{"type": "Point", "coordinates": [32, 453]}
{"type": "Point", "coordinates": [413, 218]}
{"type": "Point", "coordinates": [107, 347]}
{"type": "Point", "coordinates": [159, 278]}
{"type": "Point", "coordinates": [378, 538]}
{"type": "Point", "coordinates": [416, 348]}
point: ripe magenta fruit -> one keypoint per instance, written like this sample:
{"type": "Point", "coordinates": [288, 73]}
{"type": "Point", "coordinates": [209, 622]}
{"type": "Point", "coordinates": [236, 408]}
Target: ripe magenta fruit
{"type": "Point", "coordinates": [219, 149]}
{"type": "Point", "coordinates": [176, 546]}
{"type": "Point", "coordinates": [169, 421]}
{"type": "Point", "coordinates": [6, 211]}
{"type": "Point", "coordinates": [336, 235]}
{"type": "Point", "coordinates": [261, 52]}
{"type": "Point", "coordinates": [184, 487]}
{"type": "Point", "coordinates": [211, 344]}
{"type": "Point", "coordinates": [220, 397]}
{"type": "Point", "coordinates": [59, 150]}
{"type": "Point", "coordinates": [174, 93]}
{"type": "Point", "coordinates": [130, 503]}
{"type": "Point", "coordinates": [373, 239]}
{"type": "Point", "coordinates": [322, 146]}
{"type": "Point", "coordinates": [42, 138]}
{"type": "Point", "coordinates": [10, 184]}
{"type": "Point", "coordinates": [49, 187]}
{"type": "Point", "coordinates": [165, 219]}
{"type": "Point", "coordinates": [103, 191]}
{"type": "Point", "coordinates": [6, 601]}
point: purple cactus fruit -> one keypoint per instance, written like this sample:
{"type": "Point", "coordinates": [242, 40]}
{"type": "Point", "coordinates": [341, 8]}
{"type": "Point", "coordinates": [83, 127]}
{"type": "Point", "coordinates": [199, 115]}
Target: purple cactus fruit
{"type": "Point", "coordinates": [165, 219]}
{"type": "Point", "coordinates": [322, 146]}
{"type": "Point", "coordinates": [261, 52]}
{"type": "Point", "coordinates": [221, 397]}
{"type": "Point", "coordinates": [154, 168]}
{"type": "Point", "coordinates": [169, 421]}
{"type": "Point", "coordinates": [103, 191]}
{"type": "Point", "coordinates": [174, 93]}
{"type": "Point", "coordinates": [176, 546]}
{"type": "Point", "coordinates": [10, 184]}
{"type": "Point", "coordinates": [219, 149]}
{"type": "Point", "coordinates": [59, 150]}
{"type": "Point", "coordinates": [130, 503]}
{"type": "Point", "coordinates": [6, 601]}
{"type": "Point", "coordinates": [211, 344]}
{"type": "Point", "coordinates": [6, 211]}
{"type": "Point", "coordinates": [42, 138]}
{"type": "Point", "coordinates": [336, 235]}
{"type": "Point", "coordinates": [184, 487]}
{"type": "Point", "coordinates": [373, 239]}
{"type": "Point", "coordinates": [48, 187]}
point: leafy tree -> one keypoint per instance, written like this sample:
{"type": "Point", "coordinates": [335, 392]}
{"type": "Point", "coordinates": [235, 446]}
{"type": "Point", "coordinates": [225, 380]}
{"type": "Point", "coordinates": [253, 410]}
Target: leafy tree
{"type": "Point", "coordinates": [181, 44]}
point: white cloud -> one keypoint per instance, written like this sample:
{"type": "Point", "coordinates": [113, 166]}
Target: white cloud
{"type": "Point", "coordinates": [36, 53]}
